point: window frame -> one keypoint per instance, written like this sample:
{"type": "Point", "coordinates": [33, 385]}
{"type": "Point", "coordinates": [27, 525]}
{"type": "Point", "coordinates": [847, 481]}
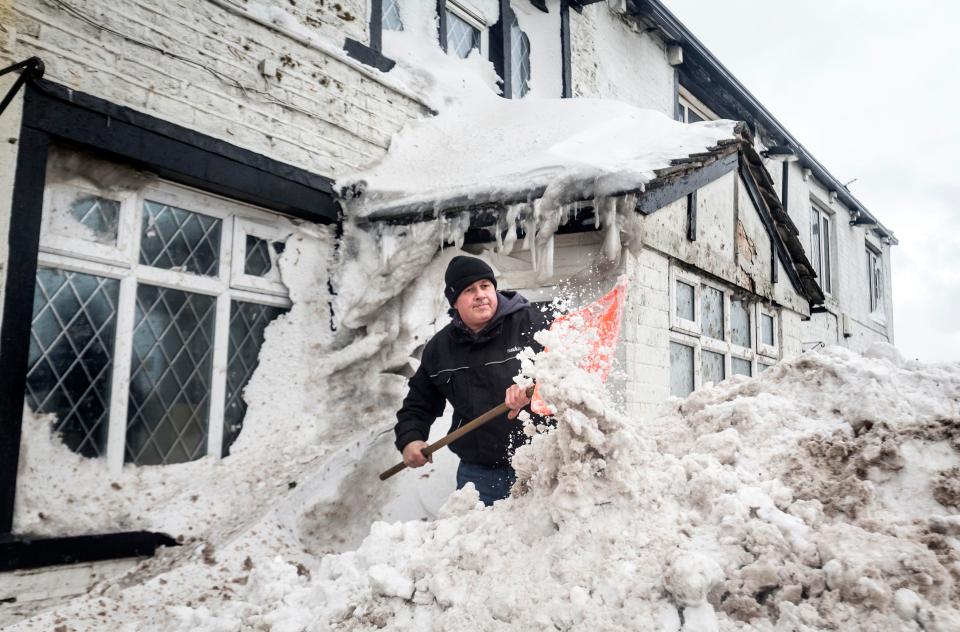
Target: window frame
{"type": "Point", "coordinates": [876, 286]}
{"type": "Point", "coordinates": [466, 12]}
{"type": "Point", "coordinates": [769, 351]}
{"type": "Point", "coordinates": [689, 333]}
{"type": "Point", "coordinates": [678, 323]}
{"type": "Point", "coordinates": [131, 273]}
{"type": "Point", "coordinates": [825, 250]}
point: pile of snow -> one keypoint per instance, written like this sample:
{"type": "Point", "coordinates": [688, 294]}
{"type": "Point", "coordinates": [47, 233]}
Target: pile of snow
{"type": "Point", "coordinates": [819, 495]}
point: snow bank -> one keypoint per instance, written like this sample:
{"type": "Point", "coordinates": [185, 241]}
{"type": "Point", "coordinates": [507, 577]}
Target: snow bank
{"type": "Point", "coordinates": [767, 503]}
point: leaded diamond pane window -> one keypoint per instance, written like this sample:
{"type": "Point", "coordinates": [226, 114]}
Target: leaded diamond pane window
{"type": "Point", "coordinates": [740, 323]}
{"type": "Point", "coordinates": [462, 37]}
{"type": "Point", "coordinates": [519, 61]}
{"type": "Point", "coordinates": [170, 375]}
{"type": "Point", "coordinates": [390, 16]}
{"type": "Point", "coordinates": [712, 366]}
{"type": "Point", "coordinates": [259, 260]}
{"type": "Point", "coordinates": [71, 346]}
{"type": "Point", "coordinates": [176, 239]}
{"type": "Point", "coordinates": [248, 321]}
{"type": "Point", "coordinates": [712, 312]}
{"type": "Point", "coordinates": [98, 217]}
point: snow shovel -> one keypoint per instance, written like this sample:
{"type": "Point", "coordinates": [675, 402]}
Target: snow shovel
{"type": "Point", "coordinates": [456, 434]}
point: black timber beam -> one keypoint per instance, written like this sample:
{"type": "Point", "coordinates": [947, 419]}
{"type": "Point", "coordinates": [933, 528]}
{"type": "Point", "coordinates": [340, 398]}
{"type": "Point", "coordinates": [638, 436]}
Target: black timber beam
{"type": "Point", "coordinates": [19, 553]}
{"type": "Point", "coordinates": [692, 216]}
{"type": "Point", "coordinates": [178, 153]}
{"type": "Point", "coordinates": [656, 197]}
{"type": "Point", "coordinates": [775, 240]}
{"type": "Point", "coordinates": [369, 55]}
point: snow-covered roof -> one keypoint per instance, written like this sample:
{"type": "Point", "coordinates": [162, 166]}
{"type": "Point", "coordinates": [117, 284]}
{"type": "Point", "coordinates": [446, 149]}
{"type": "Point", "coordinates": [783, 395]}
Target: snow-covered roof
{"type": "Point", "coordinates": [502, 151]}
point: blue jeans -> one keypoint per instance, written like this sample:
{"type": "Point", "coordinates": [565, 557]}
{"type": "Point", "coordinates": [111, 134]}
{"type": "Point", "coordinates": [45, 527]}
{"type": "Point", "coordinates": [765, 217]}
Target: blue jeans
{"type": "Point", "coordinates": [493, 483]}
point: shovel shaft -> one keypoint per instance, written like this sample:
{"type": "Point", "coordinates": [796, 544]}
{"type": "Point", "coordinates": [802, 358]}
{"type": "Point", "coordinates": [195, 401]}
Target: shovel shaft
{"type": "Point", "coordinates": [456, 434]}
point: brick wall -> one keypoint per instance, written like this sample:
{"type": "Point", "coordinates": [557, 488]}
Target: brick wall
{"type": "Point", "coordinates": [317, 109]}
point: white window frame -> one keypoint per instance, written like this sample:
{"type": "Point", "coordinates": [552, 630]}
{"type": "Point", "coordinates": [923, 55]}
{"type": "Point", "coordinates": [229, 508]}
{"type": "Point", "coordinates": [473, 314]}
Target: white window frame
{"type": "Point", "coordinates": [689, 102]}
{"type": "Point", "coordinates": [763, 348]}
{"type": "Point", "coordinates": [876, 287]}
{"type": "Point", "coordinates": [474, 18]}
{"type": "Point", "coordinates": [825, 245]}
{"type": "Point", "coordinates": [689, 333]}
{"type": "Point", "coordinates": [83, 257]}
{"type": "Point", "coordinates": [239, 279]}
{"type": "Point", "coordinates": [676, 322]}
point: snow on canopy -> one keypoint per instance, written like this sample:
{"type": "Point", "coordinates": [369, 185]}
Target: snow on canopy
{"type": "Point", "coordinates": [490, 149]}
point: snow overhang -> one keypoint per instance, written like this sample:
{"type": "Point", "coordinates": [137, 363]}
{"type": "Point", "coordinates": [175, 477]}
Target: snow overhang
{"type": "Point", "coordinates": [552, 152]}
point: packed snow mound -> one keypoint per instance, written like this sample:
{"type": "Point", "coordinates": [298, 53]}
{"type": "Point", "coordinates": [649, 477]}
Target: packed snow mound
{"type": "Point", "coordinates": [820, 495]}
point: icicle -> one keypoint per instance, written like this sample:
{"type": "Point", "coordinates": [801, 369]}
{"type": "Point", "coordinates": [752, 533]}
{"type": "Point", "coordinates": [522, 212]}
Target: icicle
{"type": "Point", "coordinates": [511, 237]}
{"type": "Point", "coordinates": [596, 212]}
{"type": "Point", "coordinates": [611, 233]}
{"type": "Point", "coordinates": [544, 260]}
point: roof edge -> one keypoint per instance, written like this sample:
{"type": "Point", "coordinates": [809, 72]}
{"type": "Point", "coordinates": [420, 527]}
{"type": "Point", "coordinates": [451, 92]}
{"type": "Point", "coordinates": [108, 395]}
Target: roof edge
{"type": "Point", "coordinates": [674, 30]}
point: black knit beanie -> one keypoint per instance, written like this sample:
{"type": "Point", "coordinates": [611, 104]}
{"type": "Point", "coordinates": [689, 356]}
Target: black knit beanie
{"type": "Point", "coordinates": [461, 272]}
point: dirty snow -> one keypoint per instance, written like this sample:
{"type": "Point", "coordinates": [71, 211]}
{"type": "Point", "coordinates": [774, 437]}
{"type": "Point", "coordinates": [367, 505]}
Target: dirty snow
{"type": "Point", "coordinates": [760, 503]}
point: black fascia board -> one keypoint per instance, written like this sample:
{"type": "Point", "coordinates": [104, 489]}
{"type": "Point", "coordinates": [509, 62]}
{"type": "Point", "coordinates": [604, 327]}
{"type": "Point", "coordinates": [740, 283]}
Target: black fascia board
{"type": "Point", "coordinates": [722, 92]}
{"type": "Point", "coordinates": [22, 552]}
{"type": "Point", "coordinates": [178, 153]}
{"type": "Point", "coordinates": [660, 195]}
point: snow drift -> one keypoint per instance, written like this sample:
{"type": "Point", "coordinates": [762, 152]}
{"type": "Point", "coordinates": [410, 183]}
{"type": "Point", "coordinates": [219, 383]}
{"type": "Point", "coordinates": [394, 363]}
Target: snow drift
{"type": "Point", "coordinates": [819, 495]}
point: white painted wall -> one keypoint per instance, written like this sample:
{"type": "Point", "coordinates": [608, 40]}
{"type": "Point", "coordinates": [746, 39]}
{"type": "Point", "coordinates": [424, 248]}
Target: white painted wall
{"type": "Point", "coordinates": [319, 110]}
{"type": "Point", "coordinates": [546, 60]}
{"type": "Point", "coordinates": [851, 290]}
{"type": "Point", "coordinates": [613, 59]}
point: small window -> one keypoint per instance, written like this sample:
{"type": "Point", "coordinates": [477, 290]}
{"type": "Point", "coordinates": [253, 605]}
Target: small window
{"type": "Point", "coordinates": [820, 256]}
{"type": "Point", "coordinates": [712, 366]}
{"type": "Point", "coordinates": [875, 280]}
{"type": "Point", "coordinates": [519, 60]}
{"type": "Point", "coordinates": [711, 301]}
{"type": "Point", "coordinates": [685, 301]}
{"type": "Point", "coordinates": [763, 366]}
{"type": "Point", "coordinates": [740, 323]}
{"type": "Point", "coordinates": [741, 366]}
{"type": "Point", "coordinates": [687, 112]}
{"type": "Point", "coordinates": [766, 329]}
{"type": "Point", "coordinates": [681, 369]}
{"type": "Point", "coordinates": [390, 16]}
{"type": "Point", "coordinates": [463, 33]}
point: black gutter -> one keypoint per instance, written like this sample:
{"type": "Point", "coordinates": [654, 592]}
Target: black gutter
{"type": "Point", "coordinates": [704, 71]}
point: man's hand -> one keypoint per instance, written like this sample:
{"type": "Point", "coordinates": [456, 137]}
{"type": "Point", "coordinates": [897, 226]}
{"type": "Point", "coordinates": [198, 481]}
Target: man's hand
{"type": "Point", "coordinates": [515, 399]}
{"type": "Point", "coordinates": [413, 454]}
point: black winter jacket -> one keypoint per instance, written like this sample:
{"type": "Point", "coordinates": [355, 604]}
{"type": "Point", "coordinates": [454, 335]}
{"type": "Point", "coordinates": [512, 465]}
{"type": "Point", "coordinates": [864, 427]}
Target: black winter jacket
{"type": "Point", "coordinates": [472, 372]}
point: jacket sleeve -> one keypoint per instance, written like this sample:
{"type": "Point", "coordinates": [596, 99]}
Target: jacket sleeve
{"type": "Point", "coordinates": [422, 405]}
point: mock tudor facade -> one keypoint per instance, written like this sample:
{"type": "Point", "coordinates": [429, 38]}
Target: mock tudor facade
{"type": "Point", "coordinates": [138, 140]}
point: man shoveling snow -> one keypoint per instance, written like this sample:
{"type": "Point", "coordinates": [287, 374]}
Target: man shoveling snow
{"type": "Point", "coordinates": [471, 364]}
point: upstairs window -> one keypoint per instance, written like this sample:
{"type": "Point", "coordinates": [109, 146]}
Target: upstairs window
{"type": "Point", "coordinates": [875, 280]}
{"type": "Point", "coordinates": [690, 110]}
{"type": "Point", "coordinates": [390, 16]}
{"type": "Point", "coordinates": [463, 30]}
{"type": "Point", "coordinates": [820, 238]}
{"type": "Point", "coordinates": [519, 60]}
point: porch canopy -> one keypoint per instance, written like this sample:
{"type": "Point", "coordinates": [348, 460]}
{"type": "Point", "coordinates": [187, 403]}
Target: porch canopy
{"type": "Point", "coordinates": [496, 152]}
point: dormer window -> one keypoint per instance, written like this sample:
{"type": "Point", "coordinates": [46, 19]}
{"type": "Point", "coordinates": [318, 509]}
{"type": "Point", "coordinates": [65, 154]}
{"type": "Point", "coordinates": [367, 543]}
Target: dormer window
{"type": "Point", "coordinates": [464, 29]}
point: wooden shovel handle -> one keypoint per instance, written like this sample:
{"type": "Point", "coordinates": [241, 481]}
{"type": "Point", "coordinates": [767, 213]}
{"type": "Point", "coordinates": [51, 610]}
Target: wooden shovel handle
{"type": "Point", "coordinates": [456, 434]}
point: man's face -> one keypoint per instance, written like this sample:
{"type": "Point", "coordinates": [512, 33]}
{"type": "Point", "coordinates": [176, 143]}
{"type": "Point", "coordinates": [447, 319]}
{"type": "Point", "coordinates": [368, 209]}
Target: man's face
{"type": "Point", "coordinates": [477, 304]}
